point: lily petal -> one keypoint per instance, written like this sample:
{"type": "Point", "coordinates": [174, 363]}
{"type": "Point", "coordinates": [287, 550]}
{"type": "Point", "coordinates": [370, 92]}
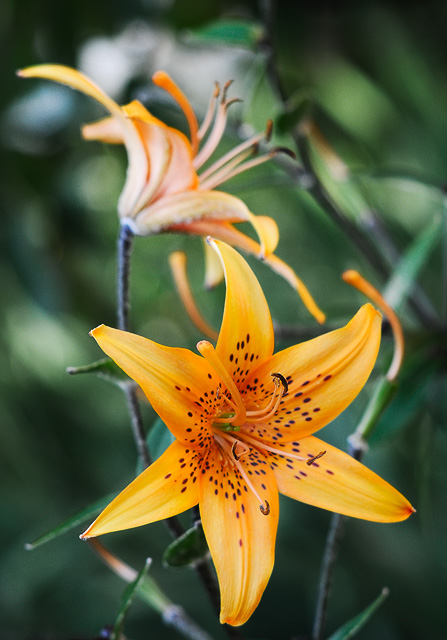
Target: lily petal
{"type": "Point", "coordinates": [246, 334]}
{"type": "Point", "coordinates": [241, 539]}
{"type": "Point", "coordinates": [234, 237]}
{"type": "Point", "coordinates": [75, 80]}
{"type": "Point", "coordinates": [168, 487]}
{"type": "Point", "coordinates": [108, 130]}
{"type": "Point", "coordinates": [326, 374]}
{"type": "Point", "coordinates": [137, 170]}
{"type": "Point", "coordinates": [184, 208]}
{"type": "Point", "coordinates": [338, 483]}
{"type": "Point", "coordinates": [177, 382]}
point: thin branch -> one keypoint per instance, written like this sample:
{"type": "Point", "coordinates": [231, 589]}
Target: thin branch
{"type": "Point", "coordinates": [326, 574]}
{"type": "Point", "coordinates": [124, 252]}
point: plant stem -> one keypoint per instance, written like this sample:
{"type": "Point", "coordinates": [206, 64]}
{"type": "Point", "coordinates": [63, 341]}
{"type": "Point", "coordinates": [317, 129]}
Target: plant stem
{"type": "Point", "coordinates": [172, 615]}
{"type": "Point", "coordinates": [124, 252]}
{"type": "Point", "coordinates": [327, 571]}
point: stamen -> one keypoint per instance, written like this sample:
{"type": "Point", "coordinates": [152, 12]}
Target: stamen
{"type": "Point", "coordinates": [163, 80]}
{"type": "Point", "coordinates": [224, 175]}
{"type": "Point", "coordinates": [236, 155]}
{"type": "Point", "coordinates": [261, 445]}
{"type": "Point", "coordinates": [269, 411]}
{"type": "Point", "coordinates": [236, 455]}
{"type": "Point", "coordinates": [312, 460]}
{"type": "Point", "coordinates": [223, 440]}
{"type": "Point", "coordinates": [216, 133]}
{"type": "Point", "coordinates": [210, 112]}
{"type": "Point", "coordinates": [207, 350]}
{"type": "Point", "coordinates": [283, 381]}
{"type": "Point", "coordinates": [177, 262]}
{"type": "Point", "coordinates": [356, 280]}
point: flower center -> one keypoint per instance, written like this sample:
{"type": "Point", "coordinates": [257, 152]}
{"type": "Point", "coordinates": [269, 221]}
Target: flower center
{"type": "Point", "coordinates": [232, 442]}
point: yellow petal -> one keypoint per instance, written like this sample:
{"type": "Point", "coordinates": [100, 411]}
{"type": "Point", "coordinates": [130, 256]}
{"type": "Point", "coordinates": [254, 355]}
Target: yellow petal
{"type": "Point", "coordinates": [338, 483]}
{"type": "Point", "coordinates": [138, 164]}
{"type": "Point", "coordinates": [168, 487]}
{"type": "Point", "coordinates": [246, 334]}
{"type": "Point", "coordinates": [326, 374]}
{"type": "Point", "coordinates": [74, 79]}
{"type": "Point", "coordinates": [267, 231]}
{"type": "Point", "coordinates": [241, 539]}
{"type": "Point", "coordinates": [178, 383]}
{"type": "Point", "coordinates": [227, 233]}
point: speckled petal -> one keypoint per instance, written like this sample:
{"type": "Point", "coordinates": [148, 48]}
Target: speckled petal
{"type": "Point", "coordinates": [246, 334]}
{"type": "Point", "coordinates": [337, 482]}
{"type": "Point", "coordinates": [179, 384]}
{"type": "Point", "coordinates": [324, 375]}
{"type": "Point", "coordinates": [241, 539]}
{"type": "Point", "coordinates": [168, 487]}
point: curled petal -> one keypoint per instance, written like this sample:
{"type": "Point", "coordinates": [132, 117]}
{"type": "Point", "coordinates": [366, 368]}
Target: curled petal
{"type": "Point", "coordinates": [185, 208]}
{"type": "Point", "coordinates": [168, 487]}
{"type": "Point", "coordinates": [338, 483]}
{"type": "Point", "coordinates": [75, 80]}
{"type": "Point", "coordinates": [241, 539]}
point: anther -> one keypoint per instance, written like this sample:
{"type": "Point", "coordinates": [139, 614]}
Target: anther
{"type": "Point", "coordinates": [268, 130]}
{"type": "Point", "coordinates": [265, 510]}
{"type": "Point", "coordinates": [283, 381]}
{"type": "Point", "coordinates": [312, 460]}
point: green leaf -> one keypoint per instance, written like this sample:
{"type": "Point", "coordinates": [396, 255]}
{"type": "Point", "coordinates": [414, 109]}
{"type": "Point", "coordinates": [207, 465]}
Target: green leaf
{"type": "Point", "coordinates": [230, 32]}
{"type": "Point", "coordinates": [159, 438]}
{"type": "Point", "coordinates": [353, 626]}
{"type": "Point", "coordinates": [186, 550]}
{"type": "Point", "coordinates": [87, 513]}
{"type": "Point", "coordinates": [128, 597]}
{"type": "Point", "coordinates": [408, 268]}
{"type": "Point", "coordinates": [104, 368]}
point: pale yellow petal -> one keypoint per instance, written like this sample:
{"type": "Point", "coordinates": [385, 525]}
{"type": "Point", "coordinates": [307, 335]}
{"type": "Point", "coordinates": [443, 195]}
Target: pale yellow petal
{"type": "Point", "coordinates": [337, 482]}
{"type": "Point", "coordinates": [241, 539]}
{"type": "Point", "coordinates": [74, 79]}
{"type": "Point", "coordinates": [179, 384]}
{"type": "Point", "coordinates": [168, 487]}
{"type": "Point", "coordinates": [214, 273]}
{"type": "Point", "coordinates": [109, 130]}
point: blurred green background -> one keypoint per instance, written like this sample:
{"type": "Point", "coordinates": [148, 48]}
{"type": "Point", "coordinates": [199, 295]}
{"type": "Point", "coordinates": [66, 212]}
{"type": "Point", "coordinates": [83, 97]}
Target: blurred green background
{"type": "Point", "coordinates": [373, 76]}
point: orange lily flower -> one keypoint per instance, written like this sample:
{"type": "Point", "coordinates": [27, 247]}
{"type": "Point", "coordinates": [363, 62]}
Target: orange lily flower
{"type": "Point", "coordinates": [163, 189]}
{"type": "Point", "coordinates": [243, 418]}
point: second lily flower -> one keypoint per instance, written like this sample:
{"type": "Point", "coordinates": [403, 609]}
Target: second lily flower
{"type": "Point", "coordinates": [164, 190]}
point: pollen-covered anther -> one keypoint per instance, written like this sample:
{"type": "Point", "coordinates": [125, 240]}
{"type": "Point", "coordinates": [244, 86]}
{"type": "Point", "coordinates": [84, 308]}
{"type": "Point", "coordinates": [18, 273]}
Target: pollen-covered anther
{"type": "Point", "coordinates": [238, 450]}
{"type": "Point", "coordinates": [312, 460]}
{"type": "Point", "coordinates": [283, 381]}
{"type": "Point", "coordinates": [265, 508]}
